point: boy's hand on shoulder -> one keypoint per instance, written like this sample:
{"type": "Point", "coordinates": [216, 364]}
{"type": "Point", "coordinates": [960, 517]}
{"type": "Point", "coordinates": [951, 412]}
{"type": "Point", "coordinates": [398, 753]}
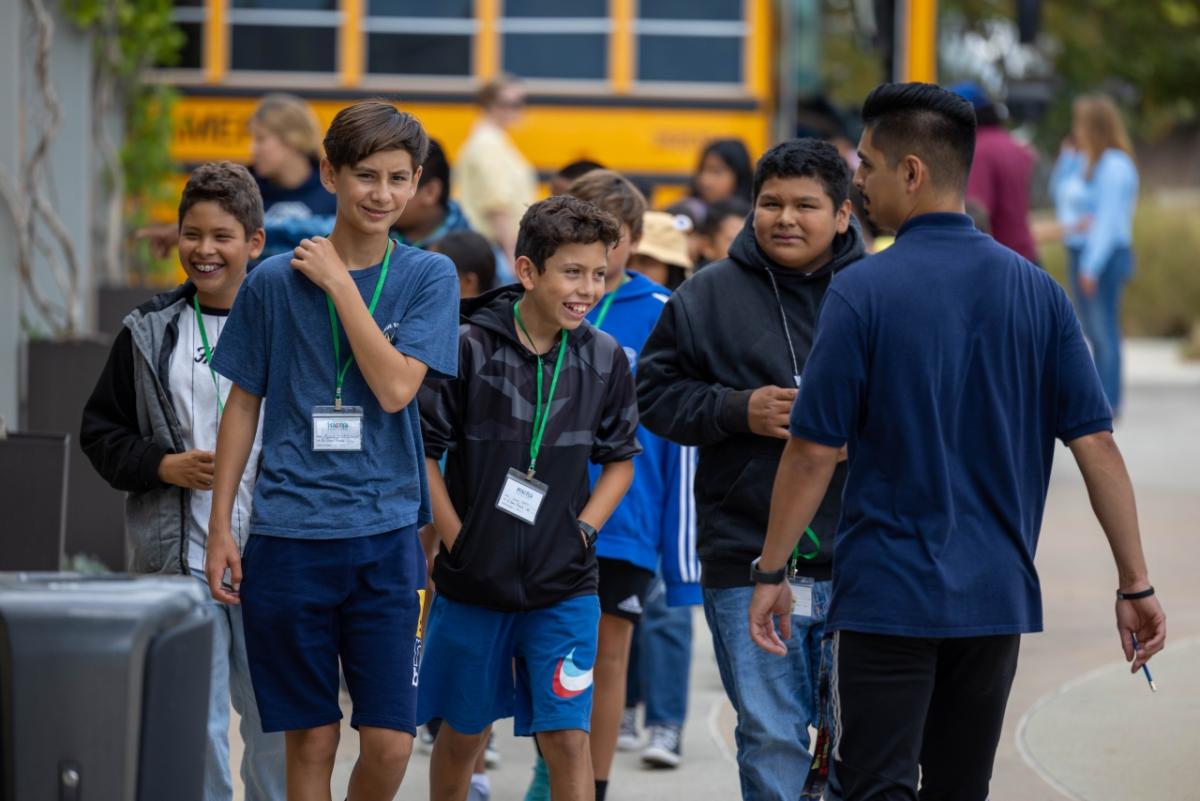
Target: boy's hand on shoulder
{"type": "Point", "coordinates": [769, 409]}
{"type": "Point", "coordinates": [221, 554]}
{"type": "Point", "coordinates": [191, 470]}
{"type": "Point", "coordinates": [320, 263]}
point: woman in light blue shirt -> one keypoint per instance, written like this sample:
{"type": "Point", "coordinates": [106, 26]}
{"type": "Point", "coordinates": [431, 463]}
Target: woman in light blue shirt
{"type": "Point", "coordinates": [1095, 191]}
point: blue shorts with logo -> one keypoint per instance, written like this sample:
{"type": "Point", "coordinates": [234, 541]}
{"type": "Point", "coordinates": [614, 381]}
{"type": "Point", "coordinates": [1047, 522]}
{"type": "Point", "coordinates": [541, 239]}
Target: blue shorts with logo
{"type": "Point", "coordinates": [481, 665]}
{"type": "Point", "coordinates": [306, 604]}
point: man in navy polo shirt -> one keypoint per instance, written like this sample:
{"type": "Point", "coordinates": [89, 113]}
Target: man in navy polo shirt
{"type": "Point", "coordinates": [948, 364]}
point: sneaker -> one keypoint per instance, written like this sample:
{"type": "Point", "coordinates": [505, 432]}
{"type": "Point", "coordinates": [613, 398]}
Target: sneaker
{"type": "Point", "coordinates": [629, 739]}
{"type": "Point", "coordinates": [425, 739]}
{"type": "Point", "coordinates": [539, 788]}
{"type": "Point", "coordinates": [663, 749]}
{"type": "Point", "coordinates": [480, 789]}
{"type": "Point", "coordinates": [491, 757]}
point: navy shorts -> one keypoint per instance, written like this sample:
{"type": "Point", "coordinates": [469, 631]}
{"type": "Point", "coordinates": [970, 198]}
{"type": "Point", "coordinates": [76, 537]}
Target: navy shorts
{"type": "Point", "coordinates": [482, 665]}
{"type": "Point", "coordinates": [308, 603]}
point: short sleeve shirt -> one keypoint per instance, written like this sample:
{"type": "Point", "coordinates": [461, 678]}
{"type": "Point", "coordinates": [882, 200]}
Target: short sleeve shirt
{"type": "Point", "coordinates": [949, 364]}
{"type": "Point", "coordinates": [278, 344]}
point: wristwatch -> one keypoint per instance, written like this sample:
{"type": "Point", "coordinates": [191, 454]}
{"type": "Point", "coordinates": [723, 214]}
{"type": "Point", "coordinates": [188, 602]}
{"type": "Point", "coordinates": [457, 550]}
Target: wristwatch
{"type": "Point", "coordinates": [588, 532]}
{"type": "Point", "coordinates": [1133, 596]}
{"type": "Point", "coordinates": [766, 576]}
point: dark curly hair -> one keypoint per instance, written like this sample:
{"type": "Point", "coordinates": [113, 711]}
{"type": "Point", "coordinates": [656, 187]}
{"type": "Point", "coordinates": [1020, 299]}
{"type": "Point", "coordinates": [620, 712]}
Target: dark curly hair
{"type": "Point", "coordinates": [927, 121]}
{"type": "Point", "coordinates": [366, 128]}
{"type": "Point", "coordinates": [563, 220]}
{"type": "Point", "coordinates": [806, 158]}
{"type": "Point", "coordinates": [228, 185]}
{"type": "Point", "coordinates": [614, 193]}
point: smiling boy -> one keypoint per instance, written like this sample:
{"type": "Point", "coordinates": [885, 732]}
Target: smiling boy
{"type": "Point", "coordinates": [720, 371]}
{"type": "Point", "coordinates": [539, 394]}
{"type": "Point", "coordinates": [334, 341]}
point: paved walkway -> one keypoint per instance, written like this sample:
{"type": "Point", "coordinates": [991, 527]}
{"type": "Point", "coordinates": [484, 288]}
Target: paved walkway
{"type": "Point", "coordinates": [1078, 726]}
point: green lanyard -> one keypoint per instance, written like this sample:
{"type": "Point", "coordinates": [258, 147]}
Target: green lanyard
{"type": "Point", "coordinates": [608, 301]}
{"type": "Point", "coordinates": [797, 556]}
{"type": "Point", "coordinates": [540, 416]}
{"type": "Point", "coordinates": [208, 353]}
{"type": "Point", "coordinates": [339, 368]}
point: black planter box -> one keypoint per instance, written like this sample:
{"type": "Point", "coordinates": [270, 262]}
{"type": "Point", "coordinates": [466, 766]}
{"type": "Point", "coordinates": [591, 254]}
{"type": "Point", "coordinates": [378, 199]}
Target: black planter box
{"type": "Point", "coordinates": [114, 302]}
{"type": "Point", "coordinates": [60, 378]}
{"type": "Point", "coordinates": [33, 496]}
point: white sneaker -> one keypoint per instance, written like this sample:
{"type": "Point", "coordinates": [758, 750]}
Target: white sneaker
{"type": "Point", "coordinates": [629, 739]}
{"type": "Point", "coordinates": [663, 749]}
{"type": "Point", "coordinates": [491, 757]}
{"type": "Point", "coordinates": [424, 740]}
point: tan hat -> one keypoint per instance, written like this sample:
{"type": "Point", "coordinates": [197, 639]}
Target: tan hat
{"type": "Point", "coordinates": [664, 237]}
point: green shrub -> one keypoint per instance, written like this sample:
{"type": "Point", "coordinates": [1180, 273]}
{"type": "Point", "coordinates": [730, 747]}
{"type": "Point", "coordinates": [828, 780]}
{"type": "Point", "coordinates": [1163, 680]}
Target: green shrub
{"type": "Point", "coordinates": [1163, 299]}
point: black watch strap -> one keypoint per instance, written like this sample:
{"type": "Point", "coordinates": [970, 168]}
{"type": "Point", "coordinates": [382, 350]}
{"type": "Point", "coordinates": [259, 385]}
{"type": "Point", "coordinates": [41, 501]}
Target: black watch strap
{"type": "Point", "coordinates": [1133, 596]}
{"type": "Point", "coordinates": [766, 576]}
{"type": "Point", "coordinates": [589, 533]}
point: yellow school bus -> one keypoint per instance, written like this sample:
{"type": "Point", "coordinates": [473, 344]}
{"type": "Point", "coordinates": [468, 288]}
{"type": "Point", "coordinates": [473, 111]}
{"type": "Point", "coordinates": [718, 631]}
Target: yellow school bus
{"type": "Point", "coordinates": [637, 85]}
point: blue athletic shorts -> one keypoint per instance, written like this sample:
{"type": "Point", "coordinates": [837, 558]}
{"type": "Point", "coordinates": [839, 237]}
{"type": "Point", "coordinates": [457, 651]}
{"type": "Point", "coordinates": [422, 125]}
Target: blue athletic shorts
{"type": "Point", "coordinates": [481, 665]}
{"type": "Point", "coordinates": [307, 603]}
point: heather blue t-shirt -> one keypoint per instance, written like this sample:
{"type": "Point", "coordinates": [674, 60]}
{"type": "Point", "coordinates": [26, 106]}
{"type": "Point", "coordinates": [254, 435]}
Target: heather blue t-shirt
{"type": "Point", "coordinates": [949, 364]}
{"type": "Point", "coordinates": [278, 344]}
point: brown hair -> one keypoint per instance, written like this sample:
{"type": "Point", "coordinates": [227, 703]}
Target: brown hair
{"type": "Point", "coordinates": [614, 193]}
{"type": "Point", "coordinates": [292, 120]}
{"type": "Point", "coordinates": [228, 185]}
{"type": "Point", "coordinates": [369, 127]}
{"type": "Point", "coordinates": [489, 93]}
{"type": "Point", "coordinates": [1102, 128]}
{"type": "Point", "coordinates": [563, 220]}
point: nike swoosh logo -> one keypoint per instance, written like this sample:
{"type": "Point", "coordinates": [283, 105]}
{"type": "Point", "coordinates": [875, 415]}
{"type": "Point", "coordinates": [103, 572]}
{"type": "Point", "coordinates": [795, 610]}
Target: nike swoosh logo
{"type": "Point", "coordinates": [569, 680]}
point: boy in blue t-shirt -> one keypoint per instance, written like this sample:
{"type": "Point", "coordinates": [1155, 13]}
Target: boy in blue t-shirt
{"type": "Point", "coordinates": [334, 342]}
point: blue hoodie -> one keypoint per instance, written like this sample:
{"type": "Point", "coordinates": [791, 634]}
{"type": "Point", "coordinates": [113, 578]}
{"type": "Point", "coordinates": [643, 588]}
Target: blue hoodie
{"type": "Point", "coordinates": [657, 518]}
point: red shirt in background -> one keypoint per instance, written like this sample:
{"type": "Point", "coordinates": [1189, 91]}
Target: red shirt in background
{"type": "Point", "coordinates": [999, 181]}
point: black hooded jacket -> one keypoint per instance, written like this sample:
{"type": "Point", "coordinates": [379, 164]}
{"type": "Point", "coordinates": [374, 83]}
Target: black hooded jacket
{"type": "Point", "coordinates": [483, 422]}
{"type": "Point", "coordinates": [720, 337]}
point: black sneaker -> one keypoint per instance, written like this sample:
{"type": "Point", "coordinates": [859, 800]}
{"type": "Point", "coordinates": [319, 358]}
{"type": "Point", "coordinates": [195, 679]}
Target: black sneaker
{"type": "Point", "coordinates": [664, 747]}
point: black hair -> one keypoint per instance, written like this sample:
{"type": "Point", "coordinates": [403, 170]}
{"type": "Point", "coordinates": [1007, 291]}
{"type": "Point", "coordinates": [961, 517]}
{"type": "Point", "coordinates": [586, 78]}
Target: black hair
{"type": "Point", "coordinates": [366, 128]}
{"type": "Point", "coordinates": [435, 166]}
{"type": "Point", "coordinates": [925, 120]}
{"type": "Point", "coordinates": [563, 220]}
{"type": "Point", "coordinates": [721, 211]}
{"type": "Point", "coordinates": [735, 156]}
{"type": "Point", "coordinates": [231, 187]}
{"type": "Point", "coordinates": [806, 158]}
{"type": "Point", "coordinates": [578, 168]}
{"type": "Point", "coordinates": [471, 254]}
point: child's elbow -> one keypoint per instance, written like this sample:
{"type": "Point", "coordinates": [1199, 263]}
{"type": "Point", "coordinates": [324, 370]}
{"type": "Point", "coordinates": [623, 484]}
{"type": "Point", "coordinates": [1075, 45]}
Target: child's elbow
{"type": "Point", "coordinates": [398, 397]}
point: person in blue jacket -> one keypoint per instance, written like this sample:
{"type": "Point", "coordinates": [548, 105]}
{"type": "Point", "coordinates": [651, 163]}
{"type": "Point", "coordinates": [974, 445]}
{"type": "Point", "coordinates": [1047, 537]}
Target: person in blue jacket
{"type": "Point", "coordinates": [1100, 253]}
{"type": "Point", "coordinates": [655, 521]}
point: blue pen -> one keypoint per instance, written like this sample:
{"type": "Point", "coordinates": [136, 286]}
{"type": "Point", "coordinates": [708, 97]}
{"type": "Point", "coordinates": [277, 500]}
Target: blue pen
{"type": "Point", "coordinates": [1145, 667]}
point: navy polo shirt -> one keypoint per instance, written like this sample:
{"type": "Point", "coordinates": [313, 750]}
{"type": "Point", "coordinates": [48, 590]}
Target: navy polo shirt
{"type": "Point", "coordinates": [949, 364]}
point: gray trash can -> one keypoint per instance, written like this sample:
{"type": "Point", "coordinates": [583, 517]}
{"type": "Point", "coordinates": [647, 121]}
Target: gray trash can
{"type": "Point", "coordinates": [104, 687]}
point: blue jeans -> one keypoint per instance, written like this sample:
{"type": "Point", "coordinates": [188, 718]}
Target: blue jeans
{"type": "Point", "coordinates": [661, 660]}
{"type": "Point", "coordinates": [263, 760]}
{"type": "Point", "coordinates": [1100, 316]}
{"type": "Point", "coordinates": [775, 697]}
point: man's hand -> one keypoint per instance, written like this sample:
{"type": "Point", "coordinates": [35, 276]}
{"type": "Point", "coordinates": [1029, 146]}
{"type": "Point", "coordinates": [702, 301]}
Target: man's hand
{"type": "Point", "coordinates": [771, 601]}
{"type": "Point", "coordinates": [319, 262]}
{"type": "Point", "coordinates": [1088, 286]}
{"type": "Point", "coordinates": [161, 237]}
{"type": "Point", "coordinates": [221, 553]}
{"type": "Point", "coordinates": [1145, 618]}
{"type": "Point", "coordinates": [769, 409]}
{"type": "Point", "coordinates": [191, 469]}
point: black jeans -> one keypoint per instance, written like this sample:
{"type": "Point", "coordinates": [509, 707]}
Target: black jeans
{"type": "Point", "coordinates": [904, 702]}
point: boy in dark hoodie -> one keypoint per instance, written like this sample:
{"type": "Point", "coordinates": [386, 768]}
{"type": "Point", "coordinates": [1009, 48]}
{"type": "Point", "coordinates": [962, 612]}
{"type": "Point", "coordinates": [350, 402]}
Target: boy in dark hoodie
{"type": "Point", "coordinates": [720, 371]}
{"type": "Point", "coordinates": [539, 393]}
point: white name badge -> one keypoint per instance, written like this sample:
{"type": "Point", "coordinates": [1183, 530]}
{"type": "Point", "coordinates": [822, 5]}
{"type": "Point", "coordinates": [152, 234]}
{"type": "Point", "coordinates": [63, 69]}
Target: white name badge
{"type": "Point", "coordinates": [802, 592]}
{"type": "Point", "coordinates": [336, 429]}
{"type": "Point", "coordinates": [521, 496]}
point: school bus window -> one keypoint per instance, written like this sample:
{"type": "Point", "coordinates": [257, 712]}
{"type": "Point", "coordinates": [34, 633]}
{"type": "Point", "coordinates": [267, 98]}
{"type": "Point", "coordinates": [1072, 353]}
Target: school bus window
{"type": "Point", "coordinates": [284, 35]}
{"type": "Point", "coordinates": [570, 43]}
{"type": "Point", "coordinates": [556, 8]}
{"type": "Point", "coordinates": [189, 16]}
{"type": "Point", "coordinates": [444, 9]}
{"type": "Point", "coordinates": [697, 41]}
{"type": "Point", "coordinates": [416, 37]}
{"type": "Point", "coordinates": [690, 9]}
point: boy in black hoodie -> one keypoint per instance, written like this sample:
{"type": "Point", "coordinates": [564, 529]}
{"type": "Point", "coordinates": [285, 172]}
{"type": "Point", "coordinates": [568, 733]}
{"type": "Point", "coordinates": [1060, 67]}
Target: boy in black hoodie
{"type": "Point", "coordinates": [720, 371]}
{"type": "Point", "coordinates": [539, 393]}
